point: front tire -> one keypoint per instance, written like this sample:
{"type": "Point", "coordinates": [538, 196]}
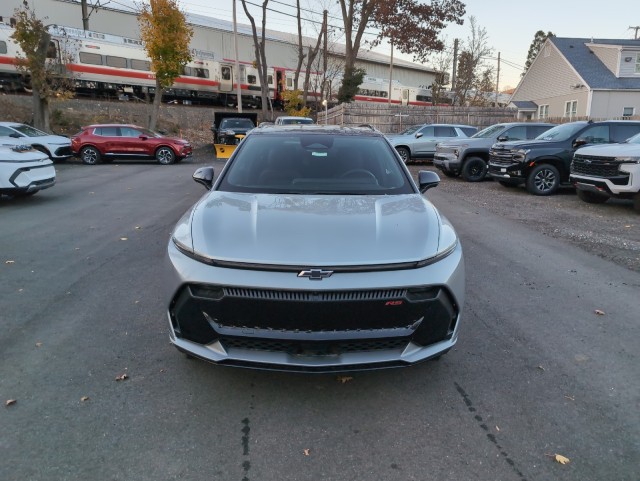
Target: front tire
{"type": "Point", "coordinates": [165, 156]}
{"type": "Point", "coordinates": [636, 202]}
{"type": "Point", "coordinates": [474, 169]}
{"type": "Point", "coordinates": [404, 154]}
{"type": "Point", "coordinates": [90, 155]}
{"type": "Point", "coordinates": [592, 197]}
{"type": "Point", "coordinates": [544, 179]}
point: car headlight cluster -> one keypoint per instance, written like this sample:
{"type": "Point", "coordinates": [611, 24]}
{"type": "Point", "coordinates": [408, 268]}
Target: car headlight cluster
{"type": "Point", "coordinates": [520, 154]}
{"type": "Point", "coordinates": [628, 159]}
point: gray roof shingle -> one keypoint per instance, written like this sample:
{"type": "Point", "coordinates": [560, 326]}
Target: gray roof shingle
{"type": "Point", "coordinates": [589, 66]}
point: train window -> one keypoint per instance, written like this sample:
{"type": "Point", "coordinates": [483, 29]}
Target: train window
{"type": "Point", "coordinates": [187, 71]}
{"type": "Point", "coordinates": [226, 73]}
{"type": "Point", "coordinates": [52, 51]}
{"type": "Point", "coordinates": [140, 64]}
{"type": "Point", "coordinates": [289, 82]}
{"type": "Point", "coordinates": [91, 58]}
{"type": "Point", "coordinates": [201, 73]}
{"type": "Point", "coordinates": [251, 79]}
{"type": "Point", "coordinates": [119, 62]}
{"type": "Point", "coordinates": [383, 94]}
{"type": "Point", "coordinates": [3, 46]}
{"type": "Point", "coordinates": [270, 79]}
{"type": "Point", "coordinates": [423, 98]}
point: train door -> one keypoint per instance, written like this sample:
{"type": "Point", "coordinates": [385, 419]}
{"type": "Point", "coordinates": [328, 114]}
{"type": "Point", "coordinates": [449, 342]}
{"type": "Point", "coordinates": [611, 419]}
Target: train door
{"type": "Point", "coordinates": [405, 97]}
{"type": "Point", "coordinates": [226, 78]}
{"type": "Point", "coordinates": [280, 86]}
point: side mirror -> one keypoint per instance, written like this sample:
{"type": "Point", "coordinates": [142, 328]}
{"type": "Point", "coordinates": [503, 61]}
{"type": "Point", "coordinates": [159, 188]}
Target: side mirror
{"type": "Point", "coordinates": [579, 142]}
{"type": "Point", "coordinates": [427, 179]}
{"type": "Point", "coordinates": [204, 176]}
{"type": "Point", "coordinates": [503, 138]}
{"type": "Point", "coordinates": [419, 134]}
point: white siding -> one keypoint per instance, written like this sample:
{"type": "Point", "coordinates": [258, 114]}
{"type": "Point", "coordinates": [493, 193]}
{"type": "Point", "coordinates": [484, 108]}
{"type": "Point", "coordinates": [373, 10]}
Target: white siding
{"type": "Point", "coordinates": [609, 104]}
{"type": "Point", "coordinates": [628, 69]}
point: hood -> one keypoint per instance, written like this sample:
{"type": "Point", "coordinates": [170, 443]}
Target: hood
{"type": "Point", "coordinates": [315, 230]}
{"type": "Point", "coordinates": [468, 141]}
{"type": "Point", "coordinates": [47, 139]}
{"type": "Point", "coordinates": [177, 140]}
{"type": "Point", "coordinates": [611, 150]}
{"type": "Point", "coordinates": [10, 154]}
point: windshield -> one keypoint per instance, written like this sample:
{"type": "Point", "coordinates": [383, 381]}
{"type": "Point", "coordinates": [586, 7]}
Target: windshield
{"type": "Point", "coordinates": [561, 132]}
{"type": "Point", "coordinates": [315, 163]}
{"type": "Point", "coordinates": [297, 120]}
{"type": "Point", "coordinates": [28, 130]}
{"type": "Point", "coordinates": [488, 132]}
{"type": "Point", "coordinates": [236, 124]}
{"type": "Point", "coordinates": [634, 140]}
{"type": "Point", "coordinates": [410, 130]}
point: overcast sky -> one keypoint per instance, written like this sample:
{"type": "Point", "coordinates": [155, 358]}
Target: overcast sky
{"type": "Point", "coordinates": [510, 26]}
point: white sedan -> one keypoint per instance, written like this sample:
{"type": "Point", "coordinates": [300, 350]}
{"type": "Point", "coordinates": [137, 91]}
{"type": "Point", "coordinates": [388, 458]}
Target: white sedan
{"type": "Point", "coordinates": [57, 147]}
{"type": "Point", "coordinates": [24, 171]}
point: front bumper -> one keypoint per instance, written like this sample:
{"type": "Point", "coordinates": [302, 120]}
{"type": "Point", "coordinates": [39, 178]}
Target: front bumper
{"type": "Point", "coordinates": [510, 172]}
{"type": "Point", "coordinates": [445, 161]}
{"type": "Point", "coordinates": [278, 321]}
{"type": "Point", "coordinates": [28, 179]}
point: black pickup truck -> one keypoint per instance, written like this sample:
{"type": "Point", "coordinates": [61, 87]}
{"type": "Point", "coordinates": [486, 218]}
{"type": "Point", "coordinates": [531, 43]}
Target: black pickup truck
{"type": "Point", "coordinates": [230, 127]}
{"type": "Point", "coordinates": [544, 164]}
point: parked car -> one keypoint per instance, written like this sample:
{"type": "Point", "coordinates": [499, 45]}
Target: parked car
{"type": "Point", "coordinates": [24, 170]}
{"type": "Point", "coordinates": [57, 147]}
{"type": "Point", "coordinates": [105, 142]}
{"type": "Point", "coordinates": [470, 157]}
{"type": "Point", "coordinates": [291, 120]}
{"type": "Point", "coordinates": [422, 143]}
{"type": "Point", "coordinates": [229, 128]}
{"type": "Point", "coordinates": [543, 163]}
{"type": "Point", "coordinates": [604, 171]}
{"type": "Point", "coordinates": [314, 251]}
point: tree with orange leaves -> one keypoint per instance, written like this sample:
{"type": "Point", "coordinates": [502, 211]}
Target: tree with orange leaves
{"type": "Point", "coordinates": [166, 36]}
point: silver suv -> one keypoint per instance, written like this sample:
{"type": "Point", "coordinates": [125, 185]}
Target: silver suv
{"type": "Point", "coordinates": [603, 171]}
{"type": "Point", "coordinates": [470, 157]}
{"type": "Point", "coordinates": [422, 143]}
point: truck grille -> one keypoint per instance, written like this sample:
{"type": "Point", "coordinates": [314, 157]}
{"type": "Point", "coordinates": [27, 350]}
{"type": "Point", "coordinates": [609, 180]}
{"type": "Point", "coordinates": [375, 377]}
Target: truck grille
{"type": "Point", "coordinates": [595, 166]}
{"type": "Point", "coordinates": [501, 157]}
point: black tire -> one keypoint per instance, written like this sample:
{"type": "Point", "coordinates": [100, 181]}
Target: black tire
{"type": "Point", "coordinates": [405, 154]}
{"type": "Point", "coordinates": [474, 169]}
{"type": "Point", "coordinates": [592, 197]}
{"type": "Point", "coordinates": [165, 156]}
{"type": "Point", "coordinates": [543, 179]}
{"type": "Point", "coordinates": [449, 173]}
{"type": "Point", "coordinates": [636, 202]}
{"type": "Point", "coordinates": [90, 155]}
{"type": "Point", "coordinates": [506, 183]}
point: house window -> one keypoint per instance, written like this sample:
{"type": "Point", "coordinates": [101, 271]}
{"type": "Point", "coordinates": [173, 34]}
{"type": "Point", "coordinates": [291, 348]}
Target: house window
{"type": "Point", "coordinates": [571, 108]}
{"type": "Point", "coordinates": [628, 112]}
{"type": "Point", "coordinates": [543, 111]}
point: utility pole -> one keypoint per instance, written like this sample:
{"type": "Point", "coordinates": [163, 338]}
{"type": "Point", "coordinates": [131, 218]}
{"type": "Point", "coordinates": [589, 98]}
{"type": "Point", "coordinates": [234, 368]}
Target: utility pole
{"type": "Point", "coordinates": [235, 41]}
{"type": "Point", "coordinates": [498, 80]}
{"type": "Point", "coordinates": [85, 14]}
{"type": "Point", "coordinates": [455, 65]}
{"type": "Point", "coordinates": [636, 28]}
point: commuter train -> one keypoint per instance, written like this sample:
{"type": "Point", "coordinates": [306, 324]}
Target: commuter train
{"type": "Point", "coordinates": [108, 66]}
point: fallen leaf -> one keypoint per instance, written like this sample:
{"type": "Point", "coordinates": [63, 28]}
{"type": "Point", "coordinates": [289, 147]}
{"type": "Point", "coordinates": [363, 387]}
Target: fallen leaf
{"type": "Point", "coordinates": [627, 226]}
{"type": "Point", "coordinates": [138, 227]}
{"type": "Point", "coordinates": [122, 377]}
{"type": "Point", "coordinates": [344, 379]}
{"type": "Point", "coordinates": [84, 398]}
{"type": "Point", "coordinates": [77, 248]}
{"type": "Point", "coordinates": [124, 238]}
{"type": "Point", "coordinates": [541, 368]}
{"type": "Point", "coordinates": [91, 192]}
{"type": "Point", "coordinates": [497, 428]}
{"type": "Point", "coordinates": [10, 402]}
{"type": "Point", "coordinates": [561, 459]}
{"type": "Point", "coordinates": [306, 452]}
{"type": "Point", "coordinates": [38, 344]}
{"type": "Point", "coordinates": [10, 262]}
{"type": "Point", "coordinates": [570, 398]}
{"type": "Point", "coordinates": [599, 312]}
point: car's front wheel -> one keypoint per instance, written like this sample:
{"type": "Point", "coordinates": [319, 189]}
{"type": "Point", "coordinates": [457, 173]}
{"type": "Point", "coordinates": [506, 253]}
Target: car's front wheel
{"type": "Point", "coordinates": [474, 169]}
{"type": "Point", "coordinates": [404, 154]}
{"type": "Point", "coordinates": [592, 197]}
{"type": "Point", "coordinates": [90, 155]}
{"type": "Point", "coordinates": [165, 156]}
{"type": "Point", "coordinates": [544, 179]}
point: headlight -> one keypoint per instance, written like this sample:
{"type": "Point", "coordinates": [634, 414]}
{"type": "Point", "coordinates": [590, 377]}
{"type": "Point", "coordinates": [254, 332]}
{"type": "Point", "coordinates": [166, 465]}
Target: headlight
{"type": "Point", "coordinates": [520, 154]}
{"type": "Point", "coordinates": [628, 159]}
{"type": "Point", "coordinates": [447, 242]}
{"type": "Point", "coordinates": [229, 132]}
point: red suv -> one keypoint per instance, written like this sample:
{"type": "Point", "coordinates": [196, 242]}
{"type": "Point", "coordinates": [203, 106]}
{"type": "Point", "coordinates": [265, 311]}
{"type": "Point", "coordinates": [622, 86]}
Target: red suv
{"type": "Point", "coordinates": [104, 142]}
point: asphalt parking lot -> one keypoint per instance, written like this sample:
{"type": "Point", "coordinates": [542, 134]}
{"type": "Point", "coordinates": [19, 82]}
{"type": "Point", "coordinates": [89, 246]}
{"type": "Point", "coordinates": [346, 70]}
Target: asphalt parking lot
{"type": "Point", "coordinates": [547, 361]}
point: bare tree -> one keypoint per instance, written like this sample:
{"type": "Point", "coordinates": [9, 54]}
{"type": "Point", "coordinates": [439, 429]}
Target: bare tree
{"type": "Point", "coordinates": [471, 63]}
{"type": "Point", "coordinates": [261, 56]}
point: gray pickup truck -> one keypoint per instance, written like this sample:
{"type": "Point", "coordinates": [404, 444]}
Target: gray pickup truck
{"type": "Point", "coordinates": [470, 157]}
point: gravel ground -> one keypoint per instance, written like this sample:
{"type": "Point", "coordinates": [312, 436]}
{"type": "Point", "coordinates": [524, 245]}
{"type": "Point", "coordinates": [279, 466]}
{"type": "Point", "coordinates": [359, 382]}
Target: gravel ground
{"type": "Point", "coordinates": [610, 231]}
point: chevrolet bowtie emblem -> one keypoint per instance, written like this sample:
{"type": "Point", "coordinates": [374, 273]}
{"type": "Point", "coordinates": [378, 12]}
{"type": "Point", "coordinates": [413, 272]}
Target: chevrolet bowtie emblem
{"type": "Point", "coordinates": [315, 274]}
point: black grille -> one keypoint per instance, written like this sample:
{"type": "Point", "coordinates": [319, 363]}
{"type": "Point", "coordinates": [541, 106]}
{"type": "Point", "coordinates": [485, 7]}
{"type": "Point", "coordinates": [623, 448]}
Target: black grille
{"type": "Point", "coordinates": [306, 296]}
{"type": "Point", "coordinates": [61, 151]}
{"type": "Point", "coordinates": [315, 348]}
{"type": "Point", "coordinates": [595, 166]}
{"type": "Point", "coordinates": [501, 157]}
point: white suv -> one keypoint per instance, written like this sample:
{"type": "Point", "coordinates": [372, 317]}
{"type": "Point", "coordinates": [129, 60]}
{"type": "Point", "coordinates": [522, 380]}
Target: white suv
{"type": "Point", "coordinates": [24, 171]}
{"type": "Point", "coordinates": [56, 147]}
{"type": "Point", "coordinates": [291, 120]}
{"type": "Point", "coordinates": [611, 170]}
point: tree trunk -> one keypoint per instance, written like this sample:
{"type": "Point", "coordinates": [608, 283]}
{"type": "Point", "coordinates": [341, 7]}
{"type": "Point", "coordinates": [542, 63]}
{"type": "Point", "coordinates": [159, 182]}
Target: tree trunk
{"type": "Point", "coordinates": [40, 111]}
{"type": "Point", "coordinates": [155, 108]}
